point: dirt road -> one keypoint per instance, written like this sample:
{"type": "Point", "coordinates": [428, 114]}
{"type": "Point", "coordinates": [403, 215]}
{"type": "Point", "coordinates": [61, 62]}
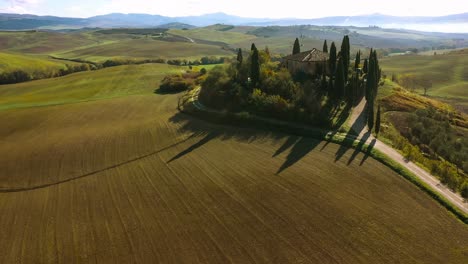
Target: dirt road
{"type": "Point", "coordinates": [358, 120]}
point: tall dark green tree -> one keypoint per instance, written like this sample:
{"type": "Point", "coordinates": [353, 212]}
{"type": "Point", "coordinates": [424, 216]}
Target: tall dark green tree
{"type": "Point", "coordinates": [358, 60]}
{"type": "Point", "coordinates": [353, 88]}
{"type": "Point", "coordinates": [253, 47]}
{"type": "Point", "coordinates": [325, 46]}
{"type": "Point", "coordinates": [345, 54]}
{"type": "Point", "coordinates": [332, 59]}
{"type": "Point", "coordinates": [240, 58]}
{"type": "Point", "coordinates": [296, 47]}
{"type": "Point", "coordinates": [340, 80]}
{"type": "Point", "coordinates": [365, 66]}
{"type": "Point", "coordinates": [377, 121]}
{"type": "Point", "coordinates": [370, 115]}
{"type": "Point", "coordinates": [370, 80]}
{"type": "Point", "coordinates": [330, 88]}
{"type": "Point", "coordinates": [255, 68]}
{"type": "Point", "coordinates": [323, 85]}
{"type": "Point", "coordinates": [373, 77]}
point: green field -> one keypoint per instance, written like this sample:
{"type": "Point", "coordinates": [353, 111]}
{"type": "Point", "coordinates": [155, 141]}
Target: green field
{"type": "Point", "coordinates": [98, 47]}
{"type": "Point", "coordinates": [214, 34]}
{"type": "Point", "coordinates": [30, 63]}
{"type": "Point", "coordinates": [147, 48]}
{"type": "Point", "coordinates": [43, 42]}
{"type": "Point", "coordinates": [130, 179]}
{"type": "Point", "coordinates": [86, 86]}
{"type": "Point", "coordinates": [448, 73]}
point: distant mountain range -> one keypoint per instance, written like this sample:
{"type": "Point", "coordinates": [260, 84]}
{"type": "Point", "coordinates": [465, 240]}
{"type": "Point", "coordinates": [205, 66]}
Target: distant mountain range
{"type": "Point", "coordinates": [450, 23]}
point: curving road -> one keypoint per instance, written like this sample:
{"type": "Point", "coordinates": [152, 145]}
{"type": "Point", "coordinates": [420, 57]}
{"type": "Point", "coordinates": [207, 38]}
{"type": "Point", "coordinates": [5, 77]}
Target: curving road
{"type": "Point", "coordinates": [358, 122]}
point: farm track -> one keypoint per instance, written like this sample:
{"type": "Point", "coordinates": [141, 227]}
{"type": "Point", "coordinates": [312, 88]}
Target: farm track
{"type": "Point", "coordinates": [168, 188]}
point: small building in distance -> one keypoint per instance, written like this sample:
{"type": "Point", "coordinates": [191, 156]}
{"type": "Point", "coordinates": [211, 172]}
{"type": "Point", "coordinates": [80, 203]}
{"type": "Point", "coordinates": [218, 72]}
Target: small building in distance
{"type": "Point", "coordinates": [313, 62]}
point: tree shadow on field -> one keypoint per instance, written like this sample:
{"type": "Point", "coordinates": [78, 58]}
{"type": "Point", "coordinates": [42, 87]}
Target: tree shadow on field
{"type": "Point", "coordinates": [300, 149]}
{"type": "Point", "coordinates": [208, 137]}
{"type": "Point", "coordinates": [359, 146]}
{"type": "Point", "coordinates": [340, 120]}
{"type": "Point", "coordinates": [300, 146]}
{"type": "Point", "coordinates": [291, 141]}
{"type": "Point", "coordinates": [356, 129]}
{"type": "Point", "coordinates": [368, 151]}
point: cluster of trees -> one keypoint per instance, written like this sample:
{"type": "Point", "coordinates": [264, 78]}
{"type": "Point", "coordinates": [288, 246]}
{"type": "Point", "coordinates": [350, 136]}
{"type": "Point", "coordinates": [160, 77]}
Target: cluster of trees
{"type": "Point", "coordinates": [203, 61]}
{"type": "Point", "coordinates": [431, 141]}
{"type": "Point", "coordinates": [18, 76]}
{"type": "Point", "coordinates": [351, 82]}
{"type": "Point", "coordinates": [346, 81]}
{"type": "Point", "coordinates": [181, 82]}
{"type": "Point", "coordinates": [119, 62]}
{"type": "Point", "coordinates": [431, 129]}
{"type": "Point", "coordinates": [258, 84]}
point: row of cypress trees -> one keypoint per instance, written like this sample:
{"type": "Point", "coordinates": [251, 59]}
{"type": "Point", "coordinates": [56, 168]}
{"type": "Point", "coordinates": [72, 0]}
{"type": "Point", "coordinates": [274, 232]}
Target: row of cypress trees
{"type": "Point", "coordinates": [339, 78]}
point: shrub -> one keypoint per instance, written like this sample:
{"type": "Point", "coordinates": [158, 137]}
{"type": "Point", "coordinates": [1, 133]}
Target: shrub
{"type": "Point", "coordinates": [176, 83]}
{"type": "Point", "coordinates": [268, 105]}
{"type": "Point", "coordinates": [464, 190]}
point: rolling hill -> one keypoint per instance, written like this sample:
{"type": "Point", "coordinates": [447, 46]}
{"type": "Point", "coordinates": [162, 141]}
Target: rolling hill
{"type": "Point", "coordinates": [446, 72]}
{"type": "Point", "coordinates": [125, 177]}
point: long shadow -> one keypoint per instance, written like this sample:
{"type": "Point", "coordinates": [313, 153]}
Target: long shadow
{"type": "Point", "coordinates": [340, 121]}
{"type": "Point", "coordinates": [163, 92]}
{"type": "Point", "coordinates": [298, 151]}
{"type": "Point", "coordinates": [287, 144]}
{"type": "Point", "coordinates": [247, 133]}
{"type": "Point", "coordinates": [368, 151]}
{"type": "Point", "coordinates": [359, 147]}
{"type": "Point", "coordinates": [208, 137]}
{"type": "Point", "coordinates": [356, 129]}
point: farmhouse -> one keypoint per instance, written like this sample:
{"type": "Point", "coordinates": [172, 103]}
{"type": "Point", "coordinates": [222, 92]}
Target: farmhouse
{"type": "Point", "coordinates": [312, 62]}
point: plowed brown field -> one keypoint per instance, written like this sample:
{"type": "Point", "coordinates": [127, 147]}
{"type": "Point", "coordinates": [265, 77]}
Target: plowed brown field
{"type": "Point", "coordinates": [131, 180]}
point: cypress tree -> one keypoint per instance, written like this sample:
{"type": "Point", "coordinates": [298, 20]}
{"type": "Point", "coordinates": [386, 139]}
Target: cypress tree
{"type": "Point", "coordinates": [345, 54]}
{"type": "Point", "coordinates": [358, 60]}
{"type": "Point", "coordinates": [373, 77]}
{"type": "Point", "coordinates": [370, 116]}
{"type": "Point", "coordinates": [325, 46]}
{"type": "Point", "coordinates": [240, 58]}
{"type": "Point", "coordinates": [340, 80]}
{"type": "Point", "coordinates": [370, 80]}
{"type": "Point", "coordinates": [255, 68]}
{"type": "Point", "coordinates": [332, 59]}
{"type": "Point", "coordinates": [297, 47]}
{"type": "Point", "coordinates": [324, 84]}
{"type": "Point", "coordinates": [377, 121]}
{"type": "Point", "coordinates": [252, 48]}
{"type": "Point", "coordinates": [331, 88]}
{"type": "Point", "coordinates": [365, 67]}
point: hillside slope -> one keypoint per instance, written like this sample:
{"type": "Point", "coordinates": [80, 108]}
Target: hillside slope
{"type": "Point", "coordinates": [130, 179]}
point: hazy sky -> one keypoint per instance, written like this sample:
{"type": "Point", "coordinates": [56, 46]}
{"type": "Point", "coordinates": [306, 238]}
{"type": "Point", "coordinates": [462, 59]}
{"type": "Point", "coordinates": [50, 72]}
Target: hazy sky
{"type": "Point", "coordinates": [245, 8]}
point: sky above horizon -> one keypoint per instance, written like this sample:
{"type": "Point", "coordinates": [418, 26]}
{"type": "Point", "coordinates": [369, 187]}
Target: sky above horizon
{"type": "Point", "coordinates": [244, 8]}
